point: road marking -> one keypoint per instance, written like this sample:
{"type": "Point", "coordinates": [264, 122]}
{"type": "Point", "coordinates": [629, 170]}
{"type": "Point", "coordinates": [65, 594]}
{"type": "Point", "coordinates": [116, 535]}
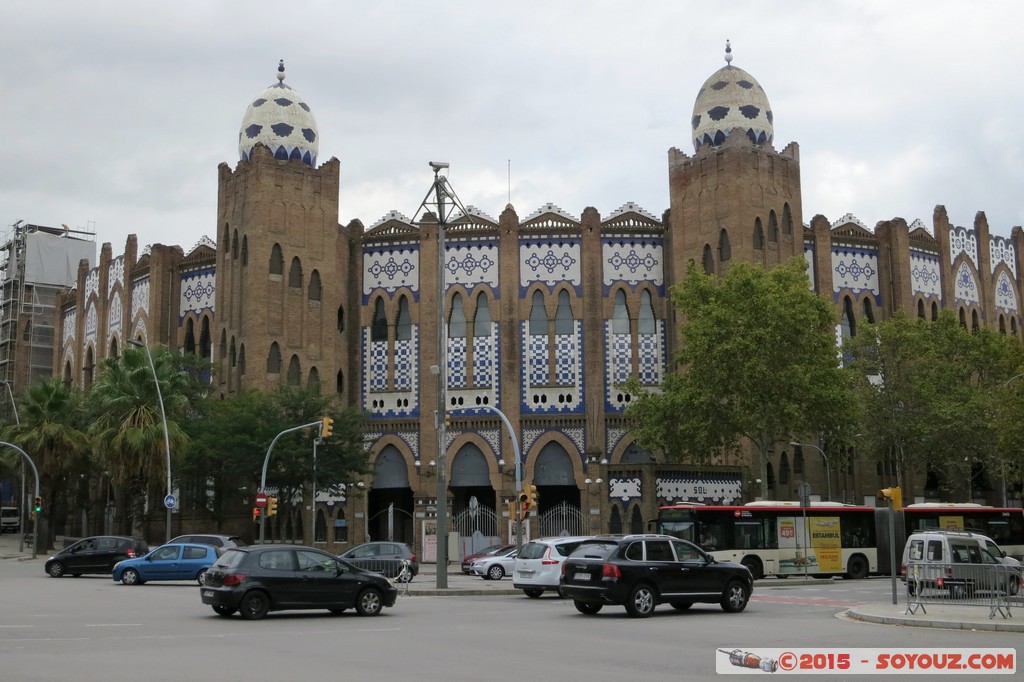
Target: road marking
{"type": "Point", "coordinates": [113, 625]}
{"type": "Point", "coordinates": [806, 600]}
{"type": "Point", "coordinates": [17, 626]}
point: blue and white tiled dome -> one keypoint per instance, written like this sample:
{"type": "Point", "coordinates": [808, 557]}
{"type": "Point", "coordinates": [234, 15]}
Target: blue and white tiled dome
{"type": "Point", "coordinates": [283, 122]}
{"type": "Point", "coordinates": [731, 98]}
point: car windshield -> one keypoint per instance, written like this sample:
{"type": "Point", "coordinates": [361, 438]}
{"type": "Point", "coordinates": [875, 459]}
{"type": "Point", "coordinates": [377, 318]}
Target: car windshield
{"type": "Point", "coordinates": [230, 559]}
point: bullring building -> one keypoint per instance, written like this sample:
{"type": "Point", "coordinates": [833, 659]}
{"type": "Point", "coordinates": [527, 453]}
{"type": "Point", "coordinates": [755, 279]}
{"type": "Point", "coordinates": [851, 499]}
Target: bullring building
{"type": "Point", "coordinates": [548, 314]}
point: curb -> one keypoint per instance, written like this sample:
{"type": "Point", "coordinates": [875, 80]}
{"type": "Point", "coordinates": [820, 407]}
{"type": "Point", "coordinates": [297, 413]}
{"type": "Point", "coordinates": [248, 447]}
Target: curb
{"type": "Point", "coordinates": [990, 626]}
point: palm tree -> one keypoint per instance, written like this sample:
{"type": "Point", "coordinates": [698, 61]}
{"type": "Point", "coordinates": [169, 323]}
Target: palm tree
{"type": "Point", "coordinates": [51, 433]}
{"type": "Point", "coordinates": [129, 429]}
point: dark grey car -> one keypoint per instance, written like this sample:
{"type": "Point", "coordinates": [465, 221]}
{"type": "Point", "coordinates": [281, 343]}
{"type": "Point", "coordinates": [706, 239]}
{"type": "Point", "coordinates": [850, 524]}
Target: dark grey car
{"type": "Point", "coordinates": [382, 557]}
{"type": "Point", "coordinates": [218, 542]}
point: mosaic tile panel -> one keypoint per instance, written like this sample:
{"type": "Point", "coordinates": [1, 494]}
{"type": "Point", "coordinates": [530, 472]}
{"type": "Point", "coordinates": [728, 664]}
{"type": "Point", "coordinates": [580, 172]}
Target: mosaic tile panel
{"type": "Point", "coordinates": [549, 262]}
{"type": "Point", "coordinates": [612, 437]}
{"type": "Point", "coordinates": [1002, 251]}
{"type": "Point", "coordinates": [471, 264]}
{"type": "Point", "coordinates": [198, 292]}
{"type": "Point", "coordinates": [390, 269]}
{"type": "Point", "coordinates": [618, 366]}
{"type": "Point", "coordinates": [115, 272]}
{"type": "Point", "coordinates": [722, 489]}
{"type": "Point", "coordinates": [114, 314]}
{"type": "Point", "coordinates": [485, 358]}
{"type": "Point", "coordinates": [568, 358]}
{"type": "Point", "coordinates": [70, 324]}
{"type": "Point", "coordinates": [536, 360]}
{"type": "Point", "coordinates": [92, 283]}
{"type": "Point", "coordinates": [652, 356]}
{"type": "Point", "coordinates": [1006, 295]}
{"type": "Point", "coordinates": [966, 289]}
{"type": "Point", "coordinates": [625, 488]}
{"type": "Point", "coordinates": [406, 365]}
{"type": "Point", "coordinates": [854, 269]}
{"type": "Point", "coordinates": [632, 261]}
{"type": "Point", "coordinates": [924, 273]}
{"type": "Point", "coordinates": [457, 362]}
{"type": "Point", "coordinates": [961, 241]}
{"type": "Point", "coordinates": [140, 297]}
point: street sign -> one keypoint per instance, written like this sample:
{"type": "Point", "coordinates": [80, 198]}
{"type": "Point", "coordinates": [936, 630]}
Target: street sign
{"type": "Point", "coordinates": [169, 501]}
{"type": "Point", "coordinates": [804, 492]}
{"type": "Point", "coordinates": [261, 500]}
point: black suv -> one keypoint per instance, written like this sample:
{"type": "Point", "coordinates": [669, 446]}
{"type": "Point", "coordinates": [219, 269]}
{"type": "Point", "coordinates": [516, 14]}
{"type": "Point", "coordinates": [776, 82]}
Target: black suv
{"type": "Point", "coordinates": [94, 555]}
{"type": "Point", "coordinates": [642, 571]}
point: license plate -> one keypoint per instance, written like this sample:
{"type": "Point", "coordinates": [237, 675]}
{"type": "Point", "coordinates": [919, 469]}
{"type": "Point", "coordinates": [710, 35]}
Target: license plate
{"type": "Point", "coordinates": [526, 574]}
{"type": "Point", "coordinates": [581, 576]}
{"type": "Point", "coordinates": [207, 593]}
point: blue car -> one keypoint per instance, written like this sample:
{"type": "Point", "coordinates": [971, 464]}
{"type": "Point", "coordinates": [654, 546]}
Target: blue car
{"type": "Point", "coordinates": [168, 562]}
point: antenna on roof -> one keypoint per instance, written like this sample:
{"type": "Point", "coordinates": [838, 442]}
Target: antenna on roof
{"type": "Point", "coordinates": [510, 181]}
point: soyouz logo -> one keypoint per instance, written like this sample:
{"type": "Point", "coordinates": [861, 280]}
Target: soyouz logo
{"type": "Point", "coordinates": [747, 661]}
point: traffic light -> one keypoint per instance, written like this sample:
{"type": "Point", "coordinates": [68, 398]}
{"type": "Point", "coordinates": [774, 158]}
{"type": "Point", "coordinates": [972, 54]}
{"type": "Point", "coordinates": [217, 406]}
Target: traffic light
{"type": "Point", "coordinates": [447, 421]}
{"type": "Point", "coordinates": [255, 514]}
{"type": "Point", "coordinates": [37, 506]}
{"type": "Point", "coordinates": [531, 496]}
{"type": "Point", "coordinates": [893, 494]}
{"type": "Point", "coordinates": [326, 427]}
{"type": "Point", "coordinates": [271, 506]}
{"type": "Point", "coordinates": [524, 505]}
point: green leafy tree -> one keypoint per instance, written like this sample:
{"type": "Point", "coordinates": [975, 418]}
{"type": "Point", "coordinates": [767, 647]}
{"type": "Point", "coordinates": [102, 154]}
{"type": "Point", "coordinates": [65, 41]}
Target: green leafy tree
{"type": "Point", "coordinates": [51, 431]}
{"type": "Point", "coordinates": [758, 365]}
{"type": "Point", "coordinates": [128, 428]}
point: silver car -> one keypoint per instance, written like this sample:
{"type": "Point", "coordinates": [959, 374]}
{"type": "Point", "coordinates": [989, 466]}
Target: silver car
{"type": "Point", "coordinates": [495, 566]}
{"type": "Point", "coordinates": [539, 564]}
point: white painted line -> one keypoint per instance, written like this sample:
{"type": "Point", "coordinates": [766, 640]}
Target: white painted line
{"type": "Point", "coordinates": [113, 625]}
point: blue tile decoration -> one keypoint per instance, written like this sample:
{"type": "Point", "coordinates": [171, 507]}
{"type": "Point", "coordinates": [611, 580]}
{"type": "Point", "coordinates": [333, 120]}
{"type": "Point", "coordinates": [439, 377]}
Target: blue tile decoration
{"type": "Point", "coordinates": [115, 272]}
{"type": "Point", "coordinates": [389, 269]}
{"type": "Point", "coordinates": [471, 263]}
{"type": "Point", "coordinates": [283, 102]}
{"type": "Point", "coordinates": [652, 356]}
{"type": "Point", "coordinates": [632, 261]}
{"type": "Point", "coordinates": [114, 315]}
{"type": "Point", "coordinates": [722, 488]}
{"type": "Point", "coordinates": [91, 321]}
{"type": "Point", "coordinates": [1002, 251]}
{"type": "Point", "coordinates": [550, 262]}
{"type": "Point", "coordinates": [966, 287]}
{"type": "Point", "coordinates": [624, 488]}
{"type": "Point", "coordinates": [731, 98]}
{"type": "Point", "coordinates": [309, 135]}
{"type": "Point", "coordinates": [924, 273]}
{"type": "Point", "coordinates": [962, 241]}
{"type": "Point", "coordinates": [854, 270]}
{"type": "Point", "coordinates": [457, 362]}
{"type": "Point", "coordinates": [718, 113]}
{"type": "Point", "coordinates": [274, 120]}
{"type": "Point", "coordinates": [485, 358]}
{"type": "Point", "coordinates": [282, 130]}
{"type": "Point", "coordinates": [405, 362]}
{"type": "Point", "coordinates": [618, 367]}
{"type": "Point", "coordinates": [140, 298]}
{"type": "Point", "coordinates": [259, 102]}
{"type": "Point", "coordinates": [749, 111]}
{"type": "Point", "coordinates": [70, 325]}
{"type": "Point", "coordinates": [198, 292]}
{"type": "Point", "coordinates": [1006, 295]}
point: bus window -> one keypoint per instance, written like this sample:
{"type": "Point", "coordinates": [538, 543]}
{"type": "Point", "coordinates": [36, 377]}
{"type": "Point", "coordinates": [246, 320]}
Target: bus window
{"type": "Point", "coordinates": [749, 535]}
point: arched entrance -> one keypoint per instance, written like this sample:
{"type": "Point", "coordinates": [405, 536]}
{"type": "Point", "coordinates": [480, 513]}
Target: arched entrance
{"type": "Point", "coordinates": [474, 503]}
{"type": "Point", "coordinates": [390, 502]}
{"type": "Point", "coordinates": [558, 504]}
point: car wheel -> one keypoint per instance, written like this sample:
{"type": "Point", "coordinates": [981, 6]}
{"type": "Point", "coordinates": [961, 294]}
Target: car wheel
{"type": "Point", "coordinates": [495, 572]}
{"type": "Point", "coordinates": [641, 601]}
{"type": "Point", "coordinates": [201, 577]}
{"type": "Point", "coordinates": [224, 610]}
{"type": "Point", "coordinates": [587, 607]}
{"type": "Point", "coordinates": [55, 569]}
{"type": "Point", "coordinates": [255, 605]}
{"type": "Point", "coordinates": [735, 597]}
{"type": "Point", "coordinates": [682, 605]}
{"type": "Point", "coordinates": [753, 565]}
{"type": "Point", "coordinates": [131, 577]}
{"type": "Point", "coordinates": [857, 568]}
{"type": "Point", "coordinates": [369, 602]}
{"type": "Point", "coordinates": [532, 592]}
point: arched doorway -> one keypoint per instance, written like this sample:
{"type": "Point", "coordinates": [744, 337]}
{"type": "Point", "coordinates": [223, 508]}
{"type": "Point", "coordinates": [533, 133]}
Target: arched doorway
{"type": "Point", "coordinates": [558, 503]}
{"type": "Point", "coordinates": [390, 502]}
{"type": "Point", "coordinates": [474, 503]}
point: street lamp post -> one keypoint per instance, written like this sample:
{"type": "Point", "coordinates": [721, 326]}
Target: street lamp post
{"type": "Point", "coordinates": [22, 505]}
{"type": "Point", "coordinates": [167, 437]}
{"type": "Point", "coordinates": [828, 468]}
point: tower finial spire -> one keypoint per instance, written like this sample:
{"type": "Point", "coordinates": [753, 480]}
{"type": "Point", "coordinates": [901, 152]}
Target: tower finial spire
{"type": "Point", "coordinates": [280, 71]}
{"type": "Point", "coordinates": [728, 52]}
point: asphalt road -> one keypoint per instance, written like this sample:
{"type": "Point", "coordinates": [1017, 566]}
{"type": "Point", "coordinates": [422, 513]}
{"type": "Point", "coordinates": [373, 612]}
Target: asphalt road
{"type": "Point", "coordinates": [91, 628]}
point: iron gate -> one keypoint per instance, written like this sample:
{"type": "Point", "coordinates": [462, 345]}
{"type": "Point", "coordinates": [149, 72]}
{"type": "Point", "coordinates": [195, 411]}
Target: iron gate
{"type": "Point", "coordinates": [477, 528]}
{"type": "Point", "coordinates": [562, 519]}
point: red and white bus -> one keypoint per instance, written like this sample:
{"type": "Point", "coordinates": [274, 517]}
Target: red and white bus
{"type": "Point", "coordinates": [781, 538]}
{"type": "Point", "coordinates": [1005, 525]}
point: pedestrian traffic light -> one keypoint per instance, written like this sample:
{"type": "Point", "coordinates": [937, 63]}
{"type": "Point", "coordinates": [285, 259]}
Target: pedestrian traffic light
{"type": "Point", "coordinates": [271, 506]}
{"type": "Point", "coordinates": [255, 514]}
{"type": "Point", "coordinates": [37, 506]}
{"type": "Point", "coordinates": [326, 427]}
{"type": "Point", "coordinates": [895, 495]}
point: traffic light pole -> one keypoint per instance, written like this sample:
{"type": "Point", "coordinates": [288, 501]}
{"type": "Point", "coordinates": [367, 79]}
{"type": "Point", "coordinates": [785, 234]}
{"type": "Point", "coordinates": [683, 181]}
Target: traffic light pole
{"type": "Point", "coordinates": [266, 461]}
{"type": "Point", "coordinates": [35, 521]}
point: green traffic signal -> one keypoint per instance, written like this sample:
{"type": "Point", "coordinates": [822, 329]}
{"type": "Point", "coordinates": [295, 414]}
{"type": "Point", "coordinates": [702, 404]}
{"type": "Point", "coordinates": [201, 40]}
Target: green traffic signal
{"type": "Point", "coordinates": [38, 505]}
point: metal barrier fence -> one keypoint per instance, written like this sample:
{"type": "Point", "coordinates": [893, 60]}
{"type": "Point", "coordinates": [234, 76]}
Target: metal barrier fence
{"type": "Point", "coordinates": [956, 584]}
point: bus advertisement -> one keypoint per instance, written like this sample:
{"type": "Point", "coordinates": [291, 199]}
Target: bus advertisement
{"type": "Point", "coordinates": [828, 538]}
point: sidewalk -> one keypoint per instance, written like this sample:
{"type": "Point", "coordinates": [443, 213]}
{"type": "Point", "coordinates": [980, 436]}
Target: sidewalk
{"type": "Point", "coordinates": [973, 618]}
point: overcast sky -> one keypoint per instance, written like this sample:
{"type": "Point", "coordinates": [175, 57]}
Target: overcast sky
{"type": "Point", "coordinates": [117, 113]}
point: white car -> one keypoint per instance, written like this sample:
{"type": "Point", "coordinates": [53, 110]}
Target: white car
{"type": "Point", "coordinates": [496, 566]}
{"type": "Point", "coordinates": [539, 564]}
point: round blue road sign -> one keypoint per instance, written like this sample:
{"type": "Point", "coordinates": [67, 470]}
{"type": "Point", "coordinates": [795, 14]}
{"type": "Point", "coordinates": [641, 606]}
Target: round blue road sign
{"type": "Point", "coordinates": [169, 501]}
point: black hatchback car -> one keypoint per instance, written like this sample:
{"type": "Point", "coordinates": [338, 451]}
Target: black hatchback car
{"type": "Point", "coordinates": [642, 571]}
{"type": "Point", "coordinates": [385, 558]}
{"type": "Point", "coordinates": [255, 580]}
{"type": "Point", "coordinates": [94, 555]}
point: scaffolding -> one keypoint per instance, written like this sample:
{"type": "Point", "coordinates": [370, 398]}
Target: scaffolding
{"type": "Point", "coordinates": [36, 264]}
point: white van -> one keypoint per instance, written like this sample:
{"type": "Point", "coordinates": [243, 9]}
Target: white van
{"type": "Point", "coordinates": [953, 547]}
{"type": "Point", "coordinates": [9, 521]}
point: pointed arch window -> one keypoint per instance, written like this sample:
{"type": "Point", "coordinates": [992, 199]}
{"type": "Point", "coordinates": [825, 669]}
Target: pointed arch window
{"type": "Point", "coordinates": [315, 291]}
{"type": "Point", "coordinates": [341, 319]}
{"type": "Point", "coordinates": [225, 243]}
{"type": "Point", "coordinates": [403, 330]}
{"type": "Point", "coordinates": [1002, 325]}
{"type": "Point", "coordinates": [1013, 326]}
{"type": "Point", "coordinates": [245, 251]}
{"type": "Point", "coordinates": [869, 311]}
{"type": "Point", "coordinates": [206, 339]}
{"type": "Point", "coordinates": [190, 337]}
{"type": "Point", "coordinates": [798, 460]}
{"type": "Point", "coordinates": [620, 315]}
{"type": "Point", "coordinates": [935, 311]}
{"type": "Point", "coordinates": [784, 469]}
{"type": "Point", "coordinates": [294, 371]}
{"type": "Point", "coordinates": [563, 314]}
{"type": "Point", "coordinates": [724, 249]}
{"type": "Point", "coordinates": [709, 260]}
{"type": "Point", "coordinates": [232, 353]}
{"type": "Point", "coordinates": [758, 234]}
{"type": "Point", "coordinates": [645, 323]}
{"type": "Point", "coordinates": [773, 227]}
{"type": "Point", "coordinates": [339, 380]}
{"type": "Point", "coordinates": [848, 322]}
{"type": "Point", "coordinates": [295, 274]}
{"type": "Point", "coordinates": [113, 343]}
{"type": "Point", "coordinates": [241, 360]}
{"type": "Point", "coordinates": [482, 321]}
{"type": "Point", "coordinates": [274, 359]}
{"type": "Point", "coordinates": [276, 260]}
{"type": "Point", "coordinates": [538, 316]}
{"type": "Point", "coordinates": [457, 318]}
{"type": "Point", "coordinates": [975, 325]}
{"type": "Point", "coordinates": [787, 219]}
{"type": "Point", "coordinates": [313, 380]}
{"type": "Point", "coordinates": [234, 245]}
{"type": "Point", "coordinates": [920, 309]}
{"type": "Point", "coordinates": [379, 325]}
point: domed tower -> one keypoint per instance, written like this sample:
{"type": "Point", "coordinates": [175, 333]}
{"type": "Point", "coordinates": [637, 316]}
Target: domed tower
{"type": "Point", "coordinates": [282, 263]}
{"type": "Point", "coordinates": [736, 197]}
